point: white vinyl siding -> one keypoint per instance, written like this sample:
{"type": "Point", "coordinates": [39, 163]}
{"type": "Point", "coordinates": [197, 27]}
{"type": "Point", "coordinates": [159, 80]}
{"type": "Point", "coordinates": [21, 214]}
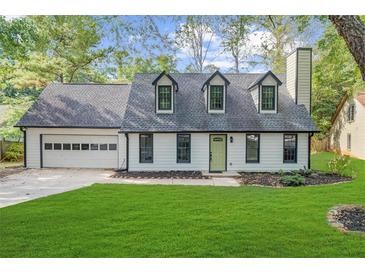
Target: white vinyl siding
{"type": "Point", "coordinates": [298, 79]}
{"type": "Point", "coordinates": [291, 70]}
{"type": "Point", "coordinates": [341, 127]}
{"type": "Point", "coordinates": [304, 78]}
{"type": "Point", "coordinates": [255, 96]}
{"type": "Point", "coordinates": [271, 153]}
{"type": "Point", "coordinates": [33, 142]}
{"type": "Point", "coordinates": [164, 153]}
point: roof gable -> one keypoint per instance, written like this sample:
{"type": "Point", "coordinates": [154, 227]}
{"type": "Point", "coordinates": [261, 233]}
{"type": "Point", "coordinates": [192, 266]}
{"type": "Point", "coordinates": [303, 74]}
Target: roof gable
{"type": "Point", "coordinates": [214, 75]}
{"type": "Point", "coordinates": [154, 83]}
{"type": "Point", "coordinates": [261, 79]}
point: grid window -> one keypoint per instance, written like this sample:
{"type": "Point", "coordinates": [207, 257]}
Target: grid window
{"type": "Point", "coordinates": [348, 141]}
{"type": "Point", "coordinates": [183, 148]}
{"type": "Point", "coordinates": [57, 146]}
{"type": "Point", "coordinates": [290, 148]}
{"type": "Point", "coordinates": [112, 146]}
{"type": "Point", "coordinates": [351, 113]}
{"type": "Point", "coordinates": [216, 97]}
{"type": "Point", "coordinates": [94, 146]}
{"type": "Point", "coordinates": [268, 98]}
{"type": "Point", "coordinates": [75, 146]}
{"type": "Point", "coordinates": [252, 148]}
{"type": "Point", "coordinates": [164, 98]}
{"type": "Point", "coordinates": [103, 146]}
{"type": "Point", "coordinates": [48, 146]}
{"type": "Point", "coordinates": [66, 146]}
{"type": "Point", "coordinates": [85, 146]}
{"type": "Point", "coordinates": [146, 148]}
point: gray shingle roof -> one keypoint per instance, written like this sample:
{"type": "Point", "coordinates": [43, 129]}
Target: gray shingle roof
{"type": "Point", "coordinates": [191, 114]}
{"type": "Point", "coordinates": [132, 108]}
{"type": "Point", "coordinates": [78, 105]}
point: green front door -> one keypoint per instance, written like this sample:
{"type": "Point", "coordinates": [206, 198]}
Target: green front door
{"type": "Point", "coordinates": [217, 155]}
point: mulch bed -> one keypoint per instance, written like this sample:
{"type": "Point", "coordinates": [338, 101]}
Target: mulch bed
{"type": "Point", "coordinates": [347, 218]}
{"type": "Point", "coordinates": [9, 171]}
{"type": "Point", "coordinates": [273, 179]}
{"type": "Point", "coordinates": [160, 175]}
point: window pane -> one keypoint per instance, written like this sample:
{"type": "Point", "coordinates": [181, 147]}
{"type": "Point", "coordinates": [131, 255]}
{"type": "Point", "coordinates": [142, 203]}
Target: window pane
{"type": "Point", "coordinates": [349, 141]}
{"type": "Point", "coordinates": [48, 146]}
{"type": "Point", "coordinates": [268, 98]}
{"type": "Point", "coordinates": [66, 146]}
{"type": "Point", "coordinates": [252, 148]}
{"type": "Point", "coordinates": [57, 146]}
{"type": "Point", "coordinates": [146, 148]}
{"type": "Point", "coordinates": [94, 146]}
{"type": "Point", "coordinates": [75, 146]}
{"type": "Point", "coordinates": [290, 150]}
{"type": "Point", "coordinates": [183, 148]}
{"type": "Point", "coordinates": [164, 98]}
{"type": "Point", "coordinates": [112, 146]}
{"type": "Point", "coordinates": [84, 146]}
{"type": "Point", "coordinates": [216, 97]}
{"type": "Point", "coordinates": [103, 147]}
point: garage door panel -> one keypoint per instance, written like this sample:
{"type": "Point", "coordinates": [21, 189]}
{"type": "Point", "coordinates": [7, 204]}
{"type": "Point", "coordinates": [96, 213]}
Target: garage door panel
{"type": "Point", "coordinates": [80, 158]}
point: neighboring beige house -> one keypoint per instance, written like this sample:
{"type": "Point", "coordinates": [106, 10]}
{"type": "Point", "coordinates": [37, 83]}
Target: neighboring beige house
{"type": "Point", "coordinates": [348, 127]}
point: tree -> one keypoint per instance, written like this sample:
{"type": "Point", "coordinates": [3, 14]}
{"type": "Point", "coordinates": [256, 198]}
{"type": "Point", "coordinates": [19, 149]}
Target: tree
{"type": "Point", "coordinates": [234, 33]}
{"type": "Point", "coordinates": [352, 29]}
{"type": "Point", "coordinates": [195, 36]}
{"type": "Point", "coordinates": [334, 74]}
{"type": "Point", "coordinates": [280, 37]}
{"type": "Point", "coordinates": [68, 50]}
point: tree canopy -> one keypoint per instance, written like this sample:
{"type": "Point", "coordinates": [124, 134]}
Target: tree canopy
{"type": "Point", "coordinates": [38, 50]}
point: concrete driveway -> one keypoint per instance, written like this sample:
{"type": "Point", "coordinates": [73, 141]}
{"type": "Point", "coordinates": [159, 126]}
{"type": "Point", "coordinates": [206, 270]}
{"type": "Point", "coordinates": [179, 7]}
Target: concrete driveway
{"type": "Point", "coordinates": [31, 184]}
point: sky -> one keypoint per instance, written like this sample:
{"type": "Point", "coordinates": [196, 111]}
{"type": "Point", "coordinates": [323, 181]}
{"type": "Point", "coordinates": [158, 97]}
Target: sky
{"type": "Point", "coordinates": [215, 56]}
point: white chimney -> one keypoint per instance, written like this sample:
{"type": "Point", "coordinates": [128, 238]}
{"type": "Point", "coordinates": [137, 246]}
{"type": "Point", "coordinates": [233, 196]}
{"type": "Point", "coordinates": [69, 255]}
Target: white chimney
{"type": "Point", "coordinates": [299, 76]}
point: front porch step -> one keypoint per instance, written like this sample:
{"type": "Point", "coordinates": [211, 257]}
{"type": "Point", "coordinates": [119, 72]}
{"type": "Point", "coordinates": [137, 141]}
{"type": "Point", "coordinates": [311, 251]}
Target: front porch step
{"type": "Point", "coordinates": [224, 174]}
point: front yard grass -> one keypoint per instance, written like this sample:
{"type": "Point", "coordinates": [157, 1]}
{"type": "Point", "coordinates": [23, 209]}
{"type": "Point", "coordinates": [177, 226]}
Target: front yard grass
{"type": "Point", "coordinates": [185, 221]}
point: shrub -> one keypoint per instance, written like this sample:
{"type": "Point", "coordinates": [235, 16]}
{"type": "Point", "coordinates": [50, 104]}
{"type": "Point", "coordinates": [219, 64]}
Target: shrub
{"type": "Point", "coordinates": [292, 180]}
{"type": "Point", "coordinates": [305, 172]}
{"type": "Point", "coordinates": [339, 164]}
{"type": "Point", "coordinates": [14, 153]}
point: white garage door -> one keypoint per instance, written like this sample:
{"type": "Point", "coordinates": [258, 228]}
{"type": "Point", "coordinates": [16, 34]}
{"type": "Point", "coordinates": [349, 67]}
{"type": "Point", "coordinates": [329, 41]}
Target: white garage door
{"type": "Point", "coordinates": [85, 151]}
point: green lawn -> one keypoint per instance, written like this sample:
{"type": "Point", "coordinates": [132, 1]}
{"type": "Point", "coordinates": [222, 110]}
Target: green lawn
{"type": "Point", "coordinates": [184, 221]}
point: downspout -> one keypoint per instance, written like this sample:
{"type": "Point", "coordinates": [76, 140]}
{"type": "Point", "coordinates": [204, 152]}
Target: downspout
{"type": "Point", "coordinates": [309, 149]}
{"type": "Point", "coordinates": [25, 146]}
{"type": "Point", "coordinates": [127, 153]}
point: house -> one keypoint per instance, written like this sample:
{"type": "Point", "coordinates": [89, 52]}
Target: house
{"type": "Point", "coordinates": [177, 121]}
{"type": "Point", "coordinates": [347, 133]}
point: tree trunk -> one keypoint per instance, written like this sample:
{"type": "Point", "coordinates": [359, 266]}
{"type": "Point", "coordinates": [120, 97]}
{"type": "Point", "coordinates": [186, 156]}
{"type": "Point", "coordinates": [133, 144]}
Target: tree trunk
{"type": "Point", "coordinates": [352, 29]}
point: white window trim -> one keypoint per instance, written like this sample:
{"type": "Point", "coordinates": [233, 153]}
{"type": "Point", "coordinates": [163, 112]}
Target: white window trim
{"type": "Point", "coordinates": [276, 93]}
{"type": "Point", "coordinates": [215, 111]}
{"type": "Point", "coordinates": [172, 101]}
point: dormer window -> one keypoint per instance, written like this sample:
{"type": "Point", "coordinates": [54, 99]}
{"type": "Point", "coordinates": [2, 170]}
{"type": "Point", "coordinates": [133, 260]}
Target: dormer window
{"type": "Point", "coordinates": [216, 97]}
{"type": "Point", "coordinates": [268, 98]}
{"type": "Point", "coordinates": [165, 88]}
{"type": "Point", "coordinates": [164, 98]}
{"type": "Point", "coordinates": [265, 93]}
{"type": "Point", "coordinates": [215, 88]}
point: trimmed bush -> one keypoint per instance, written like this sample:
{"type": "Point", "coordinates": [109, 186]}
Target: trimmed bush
{"type": "Point", "coordinates": [292, 180]}
{"type": "Point", "coordinates": [14, 153]}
